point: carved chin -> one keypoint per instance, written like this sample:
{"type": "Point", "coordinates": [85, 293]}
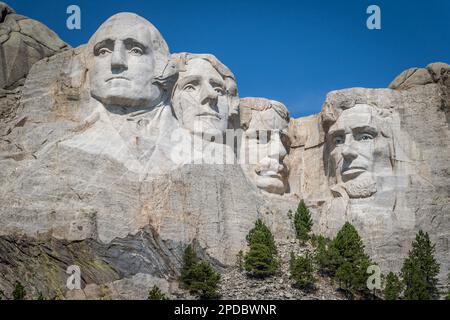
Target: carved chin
{"type": "Point", "coordinates": [361, 187]}
{"type": "Point", "coordinates": [271, 185]}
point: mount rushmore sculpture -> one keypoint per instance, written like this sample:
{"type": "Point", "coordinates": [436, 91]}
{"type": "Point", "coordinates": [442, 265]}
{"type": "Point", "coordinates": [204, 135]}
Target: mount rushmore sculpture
{"type": "Point", "coordinates": [131, 152]}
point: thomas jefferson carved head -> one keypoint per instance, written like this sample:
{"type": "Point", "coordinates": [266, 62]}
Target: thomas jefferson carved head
{"type": "Point", "coordinates": [205, 94]}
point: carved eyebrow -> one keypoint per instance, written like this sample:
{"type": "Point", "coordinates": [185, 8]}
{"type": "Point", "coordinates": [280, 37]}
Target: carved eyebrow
{"type": "Point", "coordinates": [336, 132]}
{"type": "Point", "coordinates": [108, 43]}
{"type": "Point", "coordinates": [130, 43]}
{"type": "Point", "coordinates": [365, 128]}
{"type": "Point", "coordinates": [217, 82]}
{"type": "Point", "coordinates": [188, 79]}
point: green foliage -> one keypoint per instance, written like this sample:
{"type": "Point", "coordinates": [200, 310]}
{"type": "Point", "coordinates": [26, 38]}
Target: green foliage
{"type": "Point", "coordinates": [448, 288]}
{"type": "Point", "coordinates": [344, 259]}
{"type": "Point", "coordinates": [324, 256]}
{"type": "Point", "coordinates": [2, 295]}
{"type": "Point", "coordinates": [156, 294]}
{"type": "Point", "coordinates": [302, 271]}
{"type": "Point", "coordinates": [393, 287]}
{"type": "Point", "coordinates": [206, 281]}
{"type": "Point", "coordinates": [189, 261]}
{"type": "Point", "coordinates": [351, 262]}
{"type": "Point", "coordinates": [199, 276]}
{"type": "Point", "coordinates": [19, 292]}
{"type": "Point", "coordinates": [261, 260]}
{"type": "Point", "coordinates": [420, 270]}
{"type": "Point", "coordinates": [302, 222]}
{"type": "Point", "coordinates": [240, 260]}
{"type": "Point", "coordinates": [260, 234]}
{"type": "Point", "coordinates": [40, 296]}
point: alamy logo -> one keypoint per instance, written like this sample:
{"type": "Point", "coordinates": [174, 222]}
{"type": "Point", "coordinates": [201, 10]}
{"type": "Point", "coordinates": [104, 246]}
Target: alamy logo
{"type": "Point", "coordinates": [374, 280]}
{"type": "Point", "coordinates": [74, 20]}
{"type": "Point", "coordinates": [374, 20]}
{"type": "Point", "coordinates": [74, 280]}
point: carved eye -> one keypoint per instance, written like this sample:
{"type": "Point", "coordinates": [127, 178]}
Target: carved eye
{"type": "Point", "coordinates": [219, 90]}
{"type": "Point", "coordinates": [189, 88]}
{"type": "Point", "coordinates": [365, 137]}
{"type": "Point", "coordinates": [136, 51]}
{"type": "Point", "coordinates": [338, 140]}
{"type": "Point", "coordinates": [103, 51]}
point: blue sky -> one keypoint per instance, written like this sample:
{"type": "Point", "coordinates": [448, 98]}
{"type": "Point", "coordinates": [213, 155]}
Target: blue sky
{"type": "Point", "coordinates": [291, 51]}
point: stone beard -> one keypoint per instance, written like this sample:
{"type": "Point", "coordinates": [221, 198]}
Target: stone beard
{"type": "Point", "coordinates": [359, 151]}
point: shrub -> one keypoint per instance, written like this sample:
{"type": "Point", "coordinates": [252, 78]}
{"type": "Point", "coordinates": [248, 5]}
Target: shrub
{"type": "Point", "coordinates": [199, 276]}
{"type": "Point", "coordinates": [156, 294]}
{"type": "Point", "coordinates": [393, 287]}
{"type": "Point", "coordinates": [261, 260]}
{"type": "Point", "coordinates": [302, 271]}
{"type": "Point", "coordinates": [302, 222]}
{"type": "Point", "coordinates": [19, 292]}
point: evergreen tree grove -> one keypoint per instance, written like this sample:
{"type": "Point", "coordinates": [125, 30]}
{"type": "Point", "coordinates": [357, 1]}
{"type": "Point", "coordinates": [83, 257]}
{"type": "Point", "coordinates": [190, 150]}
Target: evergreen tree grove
{"type": "Point", "coordinates": [261, 260]}
{"type": "Point", "coordinates": [344, 259]}
{"type": "Point", "coordinates": [302, 222]}
{"type": "Point", "coordinates": [393, 287]}
{"type": "Point", "coordinates": [420, 270]}
{"type": "Point", "coordinates": [199, 276]}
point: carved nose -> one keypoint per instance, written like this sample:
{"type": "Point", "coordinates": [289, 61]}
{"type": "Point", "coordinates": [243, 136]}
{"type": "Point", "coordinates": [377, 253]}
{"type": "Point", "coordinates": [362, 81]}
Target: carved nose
{"type": "Point", "coordinates": [209, 95]}
{"type": "Point", "coordinates": [277, 150]}
{"type": "Point", "coordinates": [119, 59]}
{"type": "Point", "coordinates": [348, 153]}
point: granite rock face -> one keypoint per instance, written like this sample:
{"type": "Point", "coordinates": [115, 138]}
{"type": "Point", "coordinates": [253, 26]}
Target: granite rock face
{"type": "Point", "coordinates": [120, 183]}
{"type": "Point", "coordinates": [23, 42]}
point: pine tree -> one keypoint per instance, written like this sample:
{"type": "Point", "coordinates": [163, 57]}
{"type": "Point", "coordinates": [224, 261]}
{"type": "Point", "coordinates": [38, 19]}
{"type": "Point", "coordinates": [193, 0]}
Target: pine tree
{"type": "Point", "coordinates": [393, 287]}
{"type": "Point", "coordinates": [420, 270]}
{"type": "Point", "coordinates": [346, 257]}
{"type": "Point", "coordinates": [19, 292]}
{"type": "Point", "coordinates": [156, 294]}
{"type": "Point", "coordinates": [189, 261]}
{"type": "Point", "coordinates": [199, 276]}
{"type": "Point", "coordinates": [302, 222]}
{"type": "Point", "coordinates": [206, 281]}
{"type": "Point", "coordinates": [302, 271]}
{"type": "Point", "coordinates": [448, 288]}
{"type": "Point", "coordinates": [261, 234]}
{"type": "Point", "coordinates": [261, 261]}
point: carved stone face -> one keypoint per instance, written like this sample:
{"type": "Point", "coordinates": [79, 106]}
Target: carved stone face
{"type": "Point", "coordinates": [264, 146]}
{"type": "Point", "coordinates": [123, 66]}
{"type": "Point", "coordinates": [359, 151]}
{"type": "Point", "coordinates": [199, 101]}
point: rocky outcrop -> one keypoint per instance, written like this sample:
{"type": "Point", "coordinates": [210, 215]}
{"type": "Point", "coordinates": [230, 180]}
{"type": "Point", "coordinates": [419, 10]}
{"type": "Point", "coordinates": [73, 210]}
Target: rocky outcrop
{"type": "Point", "coordinates": [23, 42]}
